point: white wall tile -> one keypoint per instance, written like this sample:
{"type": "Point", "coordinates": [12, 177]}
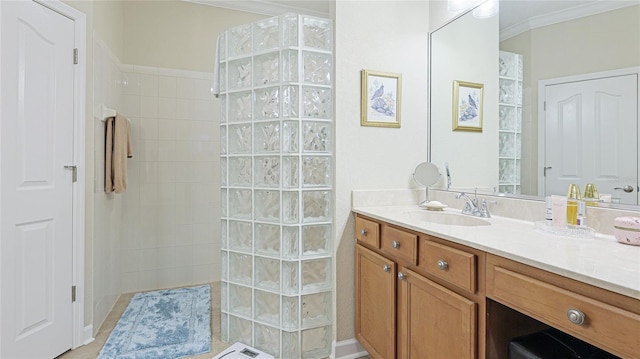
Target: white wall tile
{"type": "Point", "coordinates": [149, 259]}
{"type": "Point", "coordinates": [171, 236]}
{"type": "Point", "coordinates": [185, 88]}
{"type": "Point", "coordinates": [130, 83]}
{"type": "Point", "coordinates": [203, 90]}
{"type": "Point", "coordinates": [148, 85]}
{"type": "Point", "coordinates": [167, 150]}
{"type": "Point", "coordinates": [167, 86]}
{"type": "Point", "coordinates": [184, 109]}
{"type": "Point", "coordinates": [203, 110]}
{"type": "Point", "coordinates": [148, 129]}
{"type": "Point", "coordinates": [167, 107]}
{"type": "Point", "coordinates": [131, 106]}
{"type": "Point", "coordinates": [166, 172]}
{"type": "Point", "coordinates": [149, 106]}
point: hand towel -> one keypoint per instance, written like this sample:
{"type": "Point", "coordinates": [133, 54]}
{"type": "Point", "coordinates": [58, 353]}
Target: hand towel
{"type": "Point", "coordinates": [117, 150]}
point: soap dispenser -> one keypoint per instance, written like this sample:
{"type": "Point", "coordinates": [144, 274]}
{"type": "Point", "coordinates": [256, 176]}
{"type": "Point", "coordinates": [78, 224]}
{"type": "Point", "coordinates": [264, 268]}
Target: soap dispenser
{"type": "Point", "coordinates": [573, 197]}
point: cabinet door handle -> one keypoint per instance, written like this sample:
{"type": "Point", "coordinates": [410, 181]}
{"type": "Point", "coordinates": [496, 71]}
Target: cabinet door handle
{"type": "Point", "coordinates": [386, 268]}
{"type": "Point", "coordinates": [395, 244]}
{"type": "Point", "coordinates": [402, 276]}
{"type": "Point", "coordinates": [442, 265]}
{"type": "Point", "coordinates": [576, 316]}
{"type": "Point", "coordinates": [363, 232]}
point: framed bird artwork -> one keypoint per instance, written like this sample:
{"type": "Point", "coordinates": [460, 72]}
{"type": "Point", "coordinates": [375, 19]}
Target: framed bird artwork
{"type": "Point", "coordinates": [380, 99]}
{"type": "Point", "coordinates": [467, 106]}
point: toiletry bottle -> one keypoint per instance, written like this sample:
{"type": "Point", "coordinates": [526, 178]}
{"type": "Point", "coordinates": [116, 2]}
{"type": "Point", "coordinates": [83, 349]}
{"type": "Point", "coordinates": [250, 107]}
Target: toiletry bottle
{"type": "Point", "coordinates": [581, 220]}
{"type": "Point", "coordinates": [573, 196]}
{"type": "Point", "coordinates": [548, 214]}
{"type": "Point", "coordinates": [591, 195]}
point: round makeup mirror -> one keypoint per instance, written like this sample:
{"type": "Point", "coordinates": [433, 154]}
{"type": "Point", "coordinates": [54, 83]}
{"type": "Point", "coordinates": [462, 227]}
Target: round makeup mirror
{"type": "Point", "coordinates": [426, 174]}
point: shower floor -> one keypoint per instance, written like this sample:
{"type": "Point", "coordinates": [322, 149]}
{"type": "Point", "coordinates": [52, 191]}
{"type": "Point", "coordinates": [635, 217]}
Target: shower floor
{"type": "Point", "coordinates": [91, 350]}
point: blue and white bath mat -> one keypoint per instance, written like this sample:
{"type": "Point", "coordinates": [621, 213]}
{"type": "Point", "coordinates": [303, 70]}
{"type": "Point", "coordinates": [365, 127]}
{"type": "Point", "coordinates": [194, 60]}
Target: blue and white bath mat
{"type": "Point", "coordinates": [165, 324]}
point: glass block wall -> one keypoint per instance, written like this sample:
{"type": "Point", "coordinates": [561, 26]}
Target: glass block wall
{"type": "Point", "coordinates": [277, 185]}
{"type": "Point", "coordinates": [510, 124]}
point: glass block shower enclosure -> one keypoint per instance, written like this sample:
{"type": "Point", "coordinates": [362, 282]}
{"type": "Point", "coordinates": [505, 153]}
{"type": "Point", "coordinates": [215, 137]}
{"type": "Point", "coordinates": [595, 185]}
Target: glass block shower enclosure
{"type": "Point", "coordinates": [277, 185]}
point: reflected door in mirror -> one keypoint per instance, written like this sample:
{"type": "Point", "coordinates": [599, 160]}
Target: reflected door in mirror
{"type": "Point", "coordinates": [589, 127]}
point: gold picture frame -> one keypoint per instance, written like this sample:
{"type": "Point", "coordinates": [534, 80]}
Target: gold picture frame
{"type": "Point", "coordinates": [467, 106]}
{"type": "Point", "coordinates": [380, 99]}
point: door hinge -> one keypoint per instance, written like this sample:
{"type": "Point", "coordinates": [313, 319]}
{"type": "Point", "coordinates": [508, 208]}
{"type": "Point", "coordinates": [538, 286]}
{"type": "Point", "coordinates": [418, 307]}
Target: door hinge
{"type": "Point", "coordinates": [74, 177]}
{"type": "Point", "coordinates": [545, 105]}
{"type": "Point", "coordinates": [75, 56]}
{"type": "Point", "coordinates": [73, 293]}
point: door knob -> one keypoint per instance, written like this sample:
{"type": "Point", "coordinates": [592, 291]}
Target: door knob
{"type": "Point", "coordinates": [395, 244]}
{"type": "Point", "coordinates": [626, 188]}
{"type": "Point", "coordinates": [402, 276]}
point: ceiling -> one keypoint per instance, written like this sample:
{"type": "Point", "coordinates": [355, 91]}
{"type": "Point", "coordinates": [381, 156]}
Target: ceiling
{"type": "Point", "coordinates": [272, 7]}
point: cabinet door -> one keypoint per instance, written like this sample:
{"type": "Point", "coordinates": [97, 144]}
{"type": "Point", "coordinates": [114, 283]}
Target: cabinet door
{"type": "Point", "coordinates": [375, 303]}
{"type": "Point", "coordinates": [433, 322]}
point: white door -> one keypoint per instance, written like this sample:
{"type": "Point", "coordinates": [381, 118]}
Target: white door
{"type": "Point", "coordinates": [591, 136]}
{"type": "Point", "coordinates": [36, 189]}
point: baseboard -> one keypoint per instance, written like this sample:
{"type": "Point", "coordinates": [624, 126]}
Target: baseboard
{"type": "Point", "coordinates": [87, 335]}
{"type": "Point", "coordinates": [348, 349]}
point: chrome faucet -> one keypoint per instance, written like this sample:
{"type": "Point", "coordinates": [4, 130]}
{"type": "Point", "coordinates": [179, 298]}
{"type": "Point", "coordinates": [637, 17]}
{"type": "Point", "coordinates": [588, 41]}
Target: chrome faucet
{"type": "Point", "coordinates": [472, 208]}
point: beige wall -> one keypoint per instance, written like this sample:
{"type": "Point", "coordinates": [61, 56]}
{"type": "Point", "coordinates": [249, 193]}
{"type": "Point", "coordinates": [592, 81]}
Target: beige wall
{"type": "Point", "coordinates": [589, 44]}
{"type": "Point", "coordinates": [472, 156]}
{"type": "Point", "coordinates": [176, 34]}
{"type": "Point", "coordinates": [394, 39]}
{"type": "Point", "coordinates": [103, 17]}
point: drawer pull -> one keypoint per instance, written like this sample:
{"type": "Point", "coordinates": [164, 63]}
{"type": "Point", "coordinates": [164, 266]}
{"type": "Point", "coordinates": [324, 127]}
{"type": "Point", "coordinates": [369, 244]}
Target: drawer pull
{"type": "Point", "coordinates": [363, 232]}
{"type": "Point", "coordinates": [402, 276]}
{"type": "Point", "coordinates": [395, 244]}
{"type": "Point", "coordinates": [386, 268]}
{"type": "Point", "coordinates": [442, 265]}
{"type": "Point", "coordinates": [575, 316]}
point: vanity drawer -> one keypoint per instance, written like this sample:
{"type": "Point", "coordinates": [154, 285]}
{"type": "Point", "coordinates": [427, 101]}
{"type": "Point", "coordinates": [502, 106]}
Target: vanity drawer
{"type": "Point", "coordinates": [399, 243]}
{"type": "Point", "coordinates": [452, 265]}
{"type": "Point", "coordinates": [368, 232]}
{"type": "Point", "coordinates": [606, 326]}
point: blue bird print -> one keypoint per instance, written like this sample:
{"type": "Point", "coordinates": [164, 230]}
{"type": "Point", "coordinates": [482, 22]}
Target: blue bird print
{"type": "Point", "coordinates": [378, 92]}
{"type": "Point", "coordinates": [472, 103]}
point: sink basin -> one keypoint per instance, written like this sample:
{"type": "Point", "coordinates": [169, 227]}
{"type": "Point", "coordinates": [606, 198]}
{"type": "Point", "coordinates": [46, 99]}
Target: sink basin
{"type": "Point", "coordinates": [448, 218]}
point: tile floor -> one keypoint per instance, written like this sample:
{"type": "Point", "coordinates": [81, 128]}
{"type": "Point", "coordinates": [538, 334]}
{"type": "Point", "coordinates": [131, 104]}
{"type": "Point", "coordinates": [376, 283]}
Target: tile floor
{"type": "Point", "coordinates": [92, 350]}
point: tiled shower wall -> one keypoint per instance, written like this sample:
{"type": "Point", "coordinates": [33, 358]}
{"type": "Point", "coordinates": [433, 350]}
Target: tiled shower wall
{"type": "Point", "coordinates": [171, 204]}
{"type": "Point", "coordinates": [109, 217]}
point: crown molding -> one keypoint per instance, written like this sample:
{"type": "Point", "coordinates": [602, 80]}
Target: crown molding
{"type": "Point", "coordinates": [573, 13]}
{"type": "Point", "coordinates": [261, 7]}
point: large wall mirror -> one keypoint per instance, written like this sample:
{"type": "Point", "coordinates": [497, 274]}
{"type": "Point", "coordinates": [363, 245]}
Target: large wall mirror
{"type": "Point", "coordinates": [560, 104]}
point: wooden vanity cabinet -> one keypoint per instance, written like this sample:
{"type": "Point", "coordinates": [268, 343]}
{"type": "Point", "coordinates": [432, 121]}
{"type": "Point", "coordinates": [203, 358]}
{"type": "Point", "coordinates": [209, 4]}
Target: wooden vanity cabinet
{"type": "Point", "coordinates": [404, 312]}
{"type": "Point", "coordinates": [375, 303]}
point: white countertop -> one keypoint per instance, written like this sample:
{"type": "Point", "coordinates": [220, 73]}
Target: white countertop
{"type": "Point", "coordinates": [599, 261]}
